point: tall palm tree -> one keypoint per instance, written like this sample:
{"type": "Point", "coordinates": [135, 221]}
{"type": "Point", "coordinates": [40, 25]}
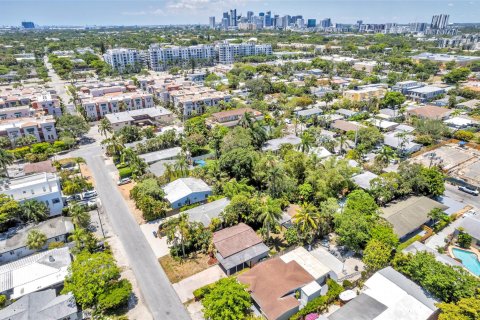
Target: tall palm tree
{"type": "Point", "coordinates": [385, 155]}
{"type": "Point", "coordinates": [308, 220]}
{"type": "Point", "coordinates": [246, 121]}
{"type": "Point", "coordinates": [170, 174]}
{"type": "Point", "coordinates": [78, 161]}
{"type": "Point", "coordinates": [122, 106]}
{"type": "Point", "coordinates": [6, 158]}
{"type": "Point", "coordinates": [181, 165]}
{"type": "Point", "coordinates": [270, 214]}
{"type": "Point", "coordinates": [114, 144]}
{"type": "Point", "coordinates": [307, 141]}
{"type": "Point", "coordinates": [33, 210]}
{"type": "Point", "coordinates": [36, 240]}
{"type": "Point", "coordinates": [105, 127]}
{"type": "Point", "coordinates": [80, 217]}
{"type": "Point", "coordinates": [83, 240]}
{"type": "Point", "coordinates": [341, 142]}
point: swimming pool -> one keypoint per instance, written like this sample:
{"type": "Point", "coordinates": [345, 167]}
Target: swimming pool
{"type": "Point", "coordinates": [469, 260]}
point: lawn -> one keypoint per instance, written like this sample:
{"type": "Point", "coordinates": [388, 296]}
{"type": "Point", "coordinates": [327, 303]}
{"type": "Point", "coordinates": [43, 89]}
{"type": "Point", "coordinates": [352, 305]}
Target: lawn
{"type": "Point", "coordinates": [179, 269]}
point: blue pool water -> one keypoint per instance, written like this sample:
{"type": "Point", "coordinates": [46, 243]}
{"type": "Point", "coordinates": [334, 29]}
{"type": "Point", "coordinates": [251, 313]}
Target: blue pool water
{"type": "Point", "coordinates": [200, 163]}
{"type": "Point", "coordinates": [469, 260]}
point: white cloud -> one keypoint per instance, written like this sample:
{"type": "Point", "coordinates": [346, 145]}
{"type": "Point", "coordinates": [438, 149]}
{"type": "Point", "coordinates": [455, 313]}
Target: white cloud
{"type": "Point", "coordinates": [450, 4]}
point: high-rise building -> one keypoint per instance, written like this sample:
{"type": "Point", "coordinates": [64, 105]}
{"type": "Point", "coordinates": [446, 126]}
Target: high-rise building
{"type": "Point", "coordinates": [276, 21]}
{"type": "Point", "coordinates": [418, 27]}
{"type": "Point", "coordinates": [326, 23]}
{"type": "Point", "coordinates": [439, 22]}
{"type": "Point", "coordinates": [268, 19]}
{"type": "Point", "coordinates": [120, 58]}
{"type": "Point", "coordinates": [311, 23]}
{"type": "Point", "coordinates": [249, 16]}
{"type": "Point", "coordinates": [227, 17]}
{"type": "Point", "coordinates": [233, 18]}
{"type": "Point", "coordinates": [227, 52]}
{"type": "Point", "coordinates": [211, 21]}
{"type": "Point", "coordinates": [28, 25]}
{"type": "Point", "coordinates": [286, 21]}
{"type": "Point", "coordinates": [161, 56]}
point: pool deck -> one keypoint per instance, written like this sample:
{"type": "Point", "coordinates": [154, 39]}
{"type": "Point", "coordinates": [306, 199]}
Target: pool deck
{"type": "Point", "coordinates": [471, 249]}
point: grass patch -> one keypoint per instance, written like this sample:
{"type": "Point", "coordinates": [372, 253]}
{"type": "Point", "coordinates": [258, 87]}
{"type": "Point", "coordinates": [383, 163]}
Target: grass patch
{"type": "Point", "coordinates": [179, 269]}
{"type": "Point", "coordinates": [405, 244]}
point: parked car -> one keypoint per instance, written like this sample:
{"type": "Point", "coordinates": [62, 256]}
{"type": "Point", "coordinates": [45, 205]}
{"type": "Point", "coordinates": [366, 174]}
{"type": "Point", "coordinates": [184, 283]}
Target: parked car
{"type": "Point", "coordinates": [89, 194]}
{"type": "Point", "coordinates": [124, 181]}
{"type": "Point", "coordinates": [74, 197]}
{"type": "Point", "coordinates": [469, 190]}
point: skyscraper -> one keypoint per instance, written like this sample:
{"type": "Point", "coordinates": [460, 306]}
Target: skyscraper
{"type": "Point", "coordinates": [440, 22]}
{"type": "Point", "coordinates": [211, 21]}
{"type": "Point", "coordinates": [233, 18]}
{"type": "Point", "coordinates": [226, 20]}
{"type": "Point", "coordinates": [249, 16]}
{"type": "Point", "coordinates": [311, 23]}
{"type": "Point", "coordinates": [268, 19]}
{"type": "Point", "coordinates": [326, 23]}
{"type": "Point", "coordinates": [28, 24]}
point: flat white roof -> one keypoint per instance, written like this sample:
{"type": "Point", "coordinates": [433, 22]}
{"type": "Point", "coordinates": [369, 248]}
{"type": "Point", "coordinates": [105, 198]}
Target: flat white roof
{"type": "Point", "coordinates": [307, 261]}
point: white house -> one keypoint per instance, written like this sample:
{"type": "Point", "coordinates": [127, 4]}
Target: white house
{"type": "Point", "coordinates": [44, 270]}
{"type": "Point", "coordinates": [185, 191]}
{"type": "Point", "coordinates": [13, 243]}
{"type": "Point", "coordinates": [43, 187]}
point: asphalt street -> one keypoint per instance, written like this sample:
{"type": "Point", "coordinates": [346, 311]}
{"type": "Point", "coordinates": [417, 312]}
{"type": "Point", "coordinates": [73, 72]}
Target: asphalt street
{"type": "Point", "coordinates": [157, 291]}
{"type": "Point", "coordinates": [59, 86]}
{"type": "Point", "coordinates": [452, 191]}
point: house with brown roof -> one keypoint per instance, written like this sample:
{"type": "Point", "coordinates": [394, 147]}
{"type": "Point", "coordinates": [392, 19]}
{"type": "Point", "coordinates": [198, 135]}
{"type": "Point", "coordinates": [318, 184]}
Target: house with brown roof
{"type": "Point", "coordinates": [430, 112]}
{"type": "Point", "coordinates": [343, 125]}
{"type": "Point", "coordinates": [283, 285]}
{"type": "Point", "coordinates": [238, 247]}
{"type": "Point", "coordinates": [231, 118]}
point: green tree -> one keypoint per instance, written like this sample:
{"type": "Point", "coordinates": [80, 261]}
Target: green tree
{"type": "Point", "coordinates": [33, 210]}
{"type": "Point", "coordinates": [228, 300]}
{"type": "Point", "coordinates": [457, 75]}
{"type": "Point", "coordinates": [104, 127]}
{"type": "Point", "coordinates": [80, 216]}
{"type": "Point", "coordinates": [385, 155]}
{"type": "Point", "coordinates": [94, 280]}
{"type": "Point", "coordinates": [307, 221]}
{"type": "Point", "coordinates": [464, 309]}
{"type": "Point", "coordinates": [376, 255]}
{"type": "Point", "coordinates": [9, 209]}
{"type": "Point", "coordinates": [6, 159]}
{"type": "Point", "coordinates": [270, 214]}
{"type": "Point", "coordinates": [464, 239]}
{"type": "Point", "coordinates": [36, 240]}
{"type": "Point", "coordinates": [393, 99]}
{"type": "Point", "coordinates": [71, 125]}
{"type": "Point", "coordinates": [307, 142]}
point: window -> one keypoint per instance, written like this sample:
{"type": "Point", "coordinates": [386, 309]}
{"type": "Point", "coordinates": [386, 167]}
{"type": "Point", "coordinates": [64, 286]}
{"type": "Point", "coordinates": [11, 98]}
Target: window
{"type": "Point", "coordinates": [12, 253]}
{"type": "Point", "coordinates": [56, 200]}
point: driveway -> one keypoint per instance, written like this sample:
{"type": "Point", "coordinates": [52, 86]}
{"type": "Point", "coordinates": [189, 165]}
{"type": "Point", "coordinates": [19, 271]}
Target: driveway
{"type": "Point", "coordinates": [186, 287]}
{"type": "Point", "coordinates": [158, 245]}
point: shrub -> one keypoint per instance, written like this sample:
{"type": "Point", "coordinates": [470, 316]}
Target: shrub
{"type": "Point", "coordinates": [202, 291]}
{"type": "Point", "coordinates": [347, 284]}
{"type": "Point", "coordinates": [291, 236]}
{"type": "Point", "coordinates": [55, 245]}
{"type": "Point", "coordinates": [464, 240]}
{"type": "Point", "coordinates": [125, 172]}
{"type": "Point", "coordinates": [3, 300]}
{"type": "Point", "coordinates": [320, 303]}
{"type": "Point", "coordinates": [116, 296]}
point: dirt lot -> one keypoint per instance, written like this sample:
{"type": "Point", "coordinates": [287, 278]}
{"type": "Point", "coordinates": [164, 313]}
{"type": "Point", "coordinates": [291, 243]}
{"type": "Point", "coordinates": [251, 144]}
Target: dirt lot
{"type": "Point", "coordinates": [178, 270]}
{"type": "Point", "coordinates": [86, 173]}
{"type": "Point", "coordinates": [125, 191]}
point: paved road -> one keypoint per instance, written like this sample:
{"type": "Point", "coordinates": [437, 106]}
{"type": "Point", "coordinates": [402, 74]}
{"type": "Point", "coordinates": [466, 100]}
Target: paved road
{"type": "Point", "coordinates": [452, 191]}
{"type": "Point", "coordinates": [157, 291]}
{"type": "Point", "coordinates": [59, 86]}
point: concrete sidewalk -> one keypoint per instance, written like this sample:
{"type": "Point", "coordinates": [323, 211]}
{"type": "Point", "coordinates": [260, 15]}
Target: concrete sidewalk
{"type": "Point", "coordinates": [186, 287]}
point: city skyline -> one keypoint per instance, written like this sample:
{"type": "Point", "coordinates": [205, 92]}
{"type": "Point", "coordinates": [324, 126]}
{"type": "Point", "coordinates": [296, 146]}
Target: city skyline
{"type": "Point", "coordinates": [167, 12]}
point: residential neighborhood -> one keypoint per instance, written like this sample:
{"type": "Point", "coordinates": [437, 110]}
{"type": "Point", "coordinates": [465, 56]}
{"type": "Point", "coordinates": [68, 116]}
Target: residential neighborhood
{"type": "Point", "coordinates": [262, 166]}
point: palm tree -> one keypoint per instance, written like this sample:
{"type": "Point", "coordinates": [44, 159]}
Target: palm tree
{"type": "Point", "coordinates": [177, 228]}
{"type": "Point", "coordinates": [181, 165]}
{"type": "Point", "coordinates": [307, 141]}
{"type": "Point", "coordinates": [138, 166]}
{"type": "Point", "coordinates": [105, 127]}
{"type": "Point", "coordinates": [170, 174]}
{"type": "Point", "coordinates": [114, 145]}
{"type": "Point", "coordinates": [83, 240]}
{"type": "Point", "coordinates": [308, 220]}
{"type": "Point", "coordinates": [122, 106]}
{"type": "Point", "coordinates": [385, 155]}
{"type": "Point", "coordinates": [6, 158]}
{"type": "Point", "coordinates": [80, 217]}
{"type": "Point", "coordinates": [36, 240]}
{"type": "Point", "coordinates": [128, 155]}
{"type": "Point", "coordinates": [270, 214]}
{"type": "Point", "coordinates": [33, 210]}
{"type": "Point", "coordinates": [246, 121]}
{"type": "Point", "coordinates": [341, 142]}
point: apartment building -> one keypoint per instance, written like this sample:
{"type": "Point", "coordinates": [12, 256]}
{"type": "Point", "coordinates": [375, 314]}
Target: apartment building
{"type": "Point", "coordinates": [404, 86]}
{"type": "Point", "coordinates": [43, 187]}
{"type": "Point", "coordinates": [191, 101]}
{"type": "Point", "coordinates": [228, 52]}
{"type": "Point", "coordinates": [96, 107]}
{"type": "Point", "coordinates": [161, 57]}
{"type": "Point", "coordinates": [121, 58]}
{"type": "Point", "coordinates": [15, 112]}
{"type": "Point", "coordinates": [365, 93]}
{"type": "Point", "coordinates": [149, 116]}
{"type": "Point", "coordinates": [42, 128]}
{"type": "Point", "coordinates": [47, 102]}
{"type": "Point", "coordinates": [424, 94]}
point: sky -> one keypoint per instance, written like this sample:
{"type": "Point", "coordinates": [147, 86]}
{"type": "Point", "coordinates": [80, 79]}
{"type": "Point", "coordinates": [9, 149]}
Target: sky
{"type": "Point", "coordinates": [166, 12]}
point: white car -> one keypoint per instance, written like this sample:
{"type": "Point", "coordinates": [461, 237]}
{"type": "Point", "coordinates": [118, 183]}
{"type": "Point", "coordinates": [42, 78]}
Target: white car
{"type": "Point", "coordinates": [468, 190]}
{"type": "Point", "coordinates": [89, 194]}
